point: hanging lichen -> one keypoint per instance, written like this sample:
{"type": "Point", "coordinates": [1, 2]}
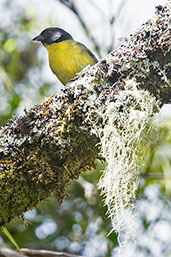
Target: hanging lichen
{"type": "Point", "coordinates": [125, 136]}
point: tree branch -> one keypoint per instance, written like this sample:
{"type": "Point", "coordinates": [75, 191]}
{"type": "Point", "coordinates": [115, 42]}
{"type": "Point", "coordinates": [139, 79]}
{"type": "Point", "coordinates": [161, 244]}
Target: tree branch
{"type": "Point", "coordinates": [43, 151]}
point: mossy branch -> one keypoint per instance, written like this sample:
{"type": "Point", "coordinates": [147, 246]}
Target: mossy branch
{"type": "Point", "coordinates": [43, 151]}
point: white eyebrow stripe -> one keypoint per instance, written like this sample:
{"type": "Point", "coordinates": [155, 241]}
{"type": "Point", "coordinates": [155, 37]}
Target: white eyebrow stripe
{"type": "Point", "coordinates": [56, 36]}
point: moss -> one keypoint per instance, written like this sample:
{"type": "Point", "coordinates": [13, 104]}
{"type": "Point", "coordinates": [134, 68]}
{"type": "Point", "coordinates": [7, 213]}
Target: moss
{"type": "Point", "coordinates": [43, 152]}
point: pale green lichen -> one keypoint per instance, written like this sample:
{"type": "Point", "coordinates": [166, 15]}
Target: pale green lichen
{"type": "Point", "coordinates": [125, 136]}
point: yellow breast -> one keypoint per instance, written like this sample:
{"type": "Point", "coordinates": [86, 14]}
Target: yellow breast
{"type": "Point", "coordinates": [67, 58]}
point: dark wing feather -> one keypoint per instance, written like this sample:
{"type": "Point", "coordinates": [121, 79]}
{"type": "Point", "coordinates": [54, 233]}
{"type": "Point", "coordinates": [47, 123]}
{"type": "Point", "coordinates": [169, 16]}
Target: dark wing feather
{"type": "Point", "coordinates": [89, 51]}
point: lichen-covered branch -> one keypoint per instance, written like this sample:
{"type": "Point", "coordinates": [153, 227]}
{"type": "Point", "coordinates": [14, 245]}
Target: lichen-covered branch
{"type": "Point", "coordinates": [43, 151]}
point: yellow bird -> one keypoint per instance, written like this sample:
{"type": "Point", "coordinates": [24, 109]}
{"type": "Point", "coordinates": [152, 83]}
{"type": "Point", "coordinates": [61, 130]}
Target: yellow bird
{"type": "Point", "coordinates": [66, 56]}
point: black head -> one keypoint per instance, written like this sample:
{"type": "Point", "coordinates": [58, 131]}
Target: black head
{"type": "Point", "coordinates": [52, 35]}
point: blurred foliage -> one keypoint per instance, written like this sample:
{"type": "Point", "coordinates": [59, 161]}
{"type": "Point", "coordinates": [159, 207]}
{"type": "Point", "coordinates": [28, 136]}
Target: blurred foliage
{"type": "Point", "coordinates": [159, 169]}
{"type": "Point", "coordinates": [18, 62]}
{"type": "Point", "coordinates": [79, 225]}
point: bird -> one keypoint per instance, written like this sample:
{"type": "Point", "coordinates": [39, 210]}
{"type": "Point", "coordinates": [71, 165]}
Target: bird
{"type": "Point", "coordinates": [67, 57]}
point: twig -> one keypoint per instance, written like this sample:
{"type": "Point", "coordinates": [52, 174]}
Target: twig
{"type": "Point", "coordinates": [46, 253]}
{"type": "Point", "coordinates": [156, 175]}
{"type": "Point", "coordinates": [5, 252]}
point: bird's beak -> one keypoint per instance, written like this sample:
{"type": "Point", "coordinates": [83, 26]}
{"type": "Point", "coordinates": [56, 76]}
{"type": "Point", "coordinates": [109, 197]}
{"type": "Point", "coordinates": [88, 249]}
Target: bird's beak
{"type": "Point", "coordinates": [38, 38]}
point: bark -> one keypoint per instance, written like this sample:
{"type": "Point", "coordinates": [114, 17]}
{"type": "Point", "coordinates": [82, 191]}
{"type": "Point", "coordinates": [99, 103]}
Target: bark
{"type": "Point", "coordinates": [44, 150]}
